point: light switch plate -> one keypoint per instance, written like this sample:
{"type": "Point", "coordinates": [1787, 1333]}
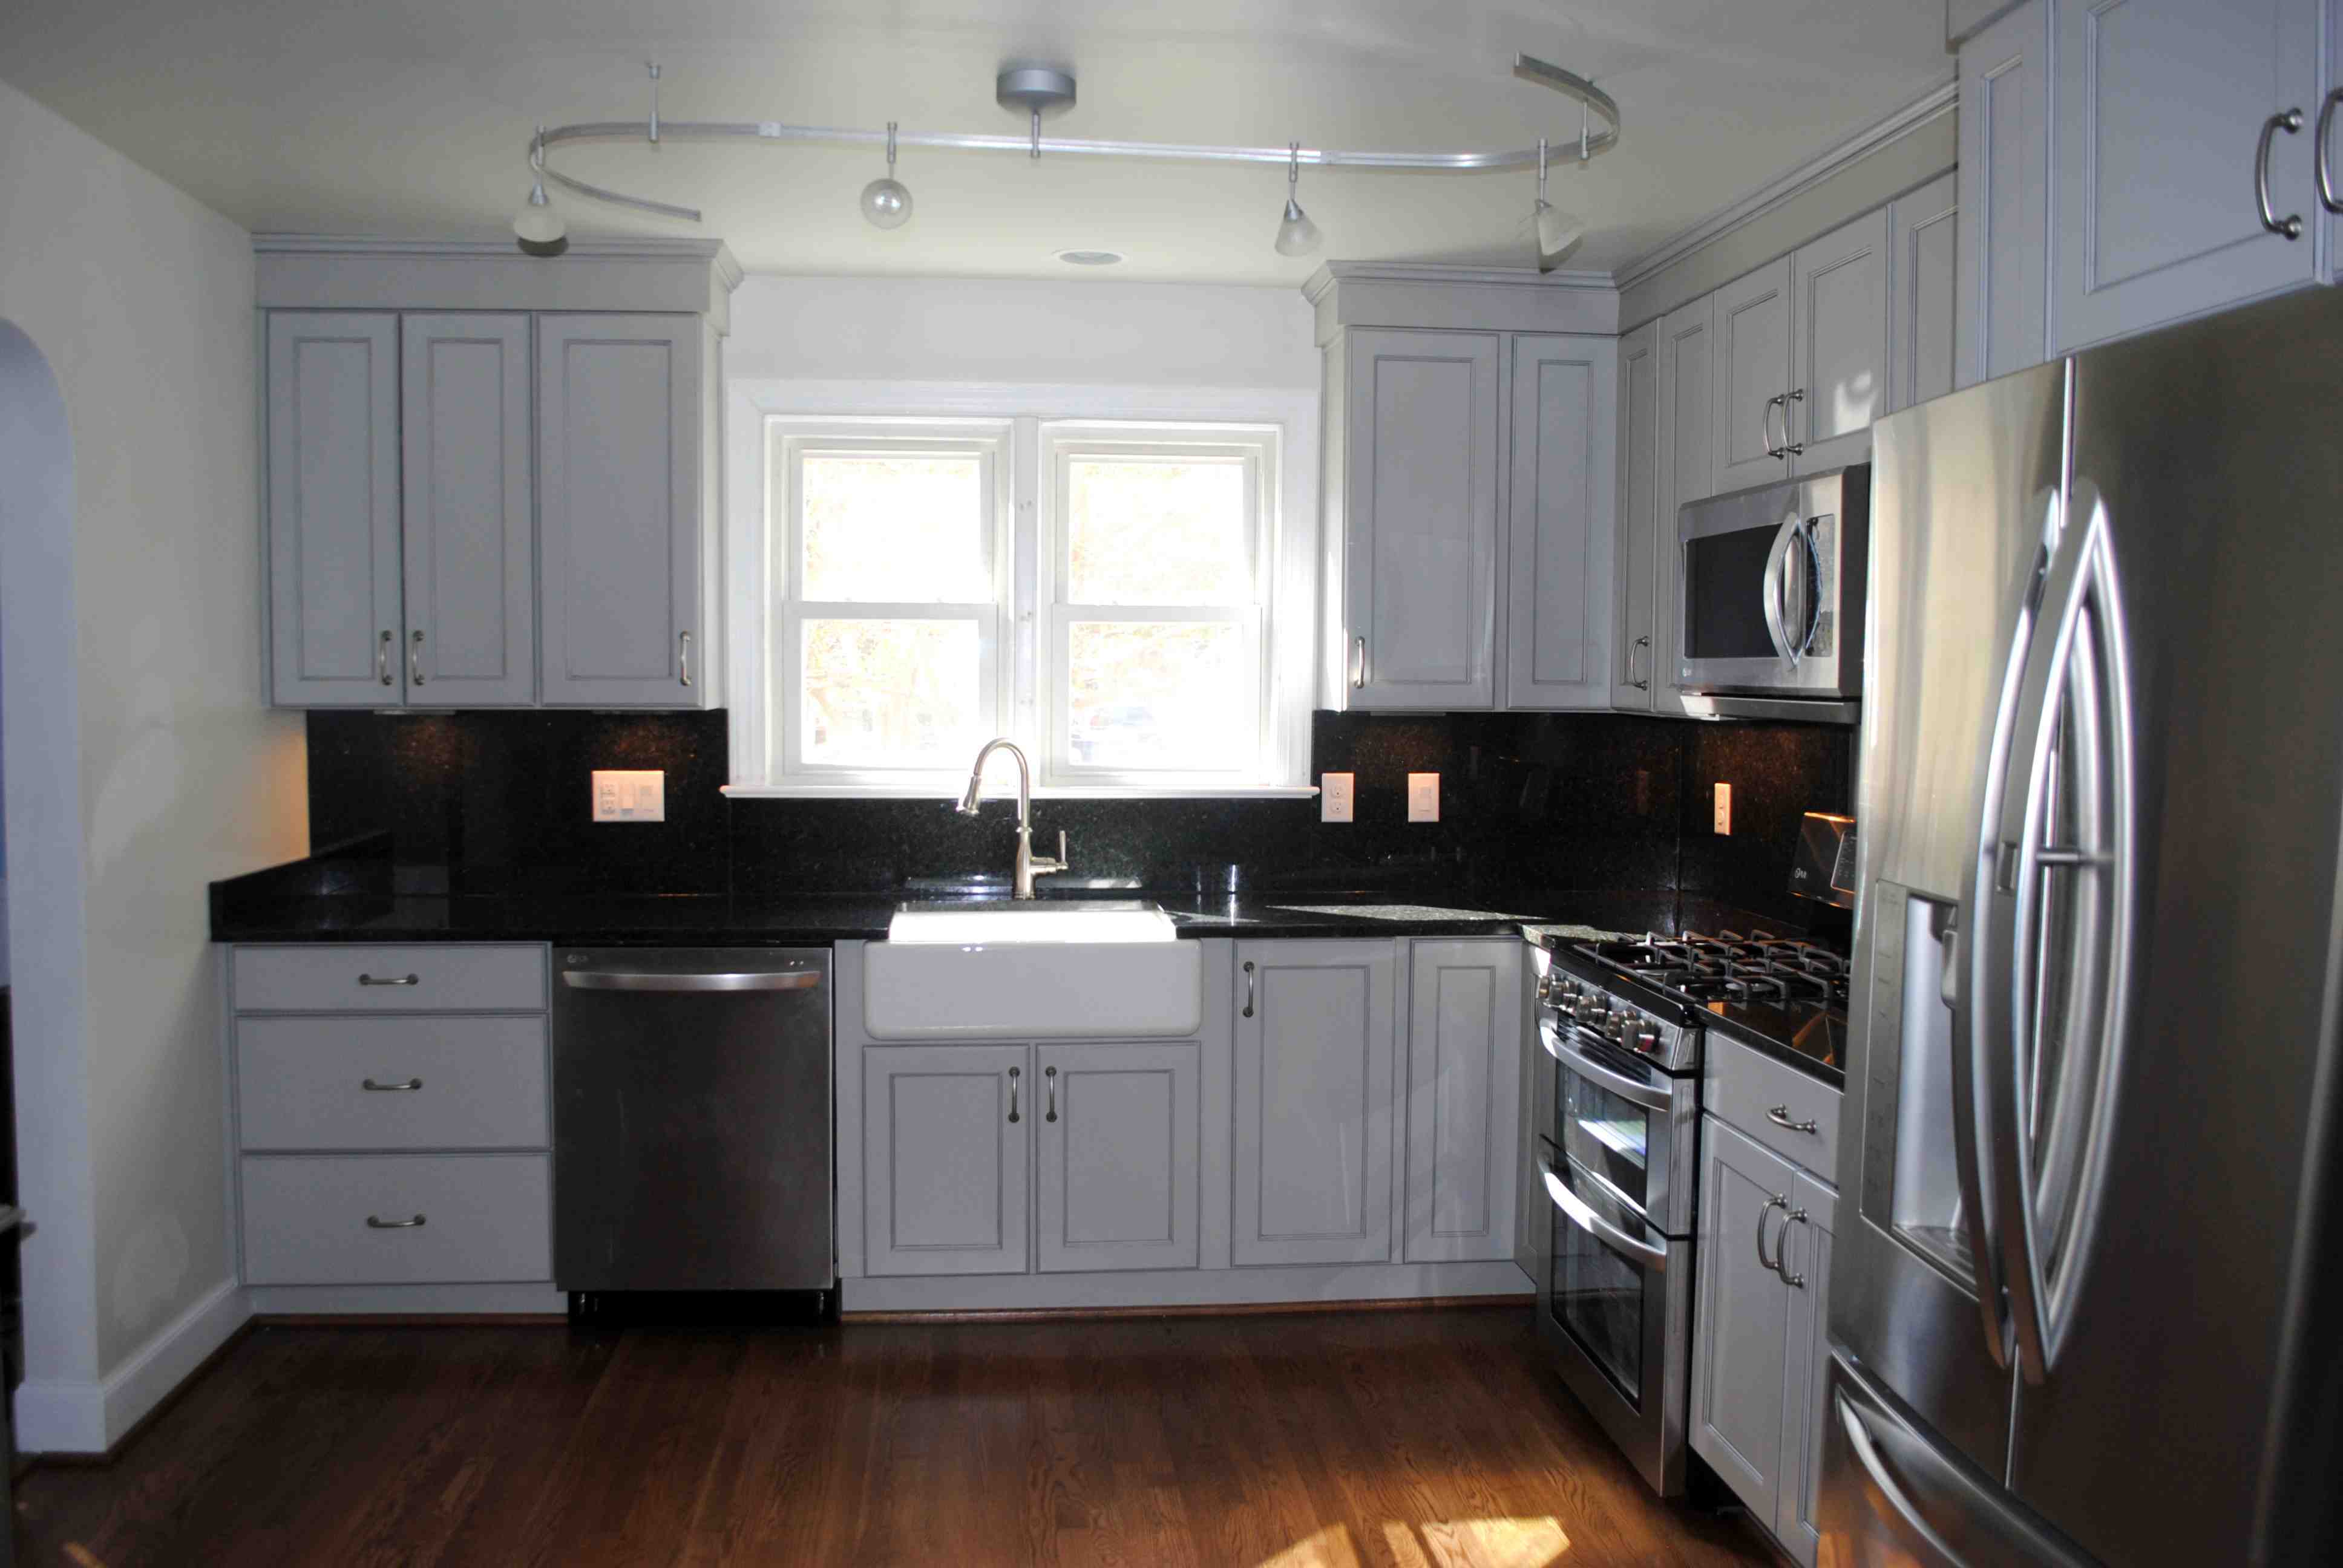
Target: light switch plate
{"type": "Point", "coordinates": [623, 796]}
{"type": "Point", "coordinates": [1334, 797]}
{"type": "Point", "coordinates": [1423, 797]}
{"type": "Point", "coordinates": [1723, 817]}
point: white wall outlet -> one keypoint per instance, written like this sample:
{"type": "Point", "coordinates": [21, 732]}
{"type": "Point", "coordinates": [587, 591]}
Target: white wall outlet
{"type": "Point", "coordinates": [1423, 797]}
{"type": "Point", "coordinates": [1724, 821]}
{"type": "Point", "coordinates": [1334, 795]}
{"type": "Point", "coordinates": [621, 796]}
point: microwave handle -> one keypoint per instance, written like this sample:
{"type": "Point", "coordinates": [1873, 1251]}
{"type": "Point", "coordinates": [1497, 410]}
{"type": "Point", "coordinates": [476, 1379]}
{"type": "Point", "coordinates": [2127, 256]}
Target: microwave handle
{"type": "Point", "coordinates": [1809, 613]}
{"type": "Point", "coordinates": [1773, 588]}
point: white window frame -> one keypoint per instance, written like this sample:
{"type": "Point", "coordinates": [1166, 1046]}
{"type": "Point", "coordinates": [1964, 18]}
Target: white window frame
{"type": "Point", "coordinates": [787, 443]}
{"type": "Point", "coordinates": [1281, 424]}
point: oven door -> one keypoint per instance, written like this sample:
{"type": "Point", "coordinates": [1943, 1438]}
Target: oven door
{"type": "Point", "coordinates": [1614, 1311]}
{"type": "Point", "coordinates": [1625, 1121]}
{"type": "Point", "coordinates": [1758, 584]}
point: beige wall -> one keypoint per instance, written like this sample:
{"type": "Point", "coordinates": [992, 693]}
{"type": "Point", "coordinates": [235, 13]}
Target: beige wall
{"type": "Point", "coordinates": [140, 300]}
{"type": "Point", "coordinates": [1912, 159]}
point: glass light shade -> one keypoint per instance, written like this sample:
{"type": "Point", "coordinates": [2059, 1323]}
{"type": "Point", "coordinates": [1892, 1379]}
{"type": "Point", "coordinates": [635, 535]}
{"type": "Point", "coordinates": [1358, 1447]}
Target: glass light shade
{"type": "Point", "coordinates": [1557, 230]}
{"type": "Point", "coordinates": [538, 227]}
{"type": "Point", "coordinates": [1297, 236]}
{"type": "Point", "coordinates": [886, 204]}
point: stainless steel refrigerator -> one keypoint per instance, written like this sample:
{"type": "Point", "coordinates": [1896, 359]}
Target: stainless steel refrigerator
{"type": "Point", "coordinates": [2084, 1292]}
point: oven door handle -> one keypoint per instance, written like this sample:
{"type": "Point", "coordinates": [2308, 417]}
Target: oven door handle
{"type": "Point", "coordinates": [1582, 1215]}
{"type": "Point", "coordinates": [1595, 1072]}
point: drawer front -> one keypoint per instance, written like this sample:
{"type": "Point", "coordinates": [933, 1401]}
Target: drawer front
{"type": "Point", "coordinates": [436, 1083]}
{"type": "Point", "coordinates": [486, 1217]}
{"type": "Point", "coordinates": [425, 977]}
{"type": "Point", "coordinates": [1742, 1085]}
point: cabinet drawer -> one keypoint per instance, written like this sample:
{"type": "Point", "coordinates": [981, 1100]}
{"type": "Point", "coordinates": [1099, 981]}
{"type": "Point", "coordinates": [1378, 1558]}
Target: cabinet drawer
{"type": "Point", "coordinates": [439, 1082]}
{"type": "Point", "coordinates": [486, 1217]}
{"type": "Point", "coordinates": [417, 977]}
{"type": "Point", "coordinates": [1742, 1085]}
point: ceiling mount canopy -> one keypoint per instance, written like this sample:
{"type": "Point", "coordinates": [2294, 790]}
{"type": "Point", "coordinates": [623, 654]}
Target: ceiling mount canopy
{"type": "Point", "coordinates": [1037, 91]}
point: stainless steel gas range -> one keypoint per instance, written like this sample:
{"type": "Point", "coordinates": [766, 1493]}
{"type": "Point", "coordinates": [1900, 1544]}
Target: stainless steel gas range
{"type": "Point", "coordinates": [1617, 1121]}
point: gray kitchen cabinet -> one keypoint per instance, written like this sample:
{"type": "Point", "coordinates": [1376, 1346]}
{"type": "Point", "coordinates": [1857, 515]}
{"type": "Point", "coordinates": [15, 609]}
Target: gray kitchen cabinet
{"type": "Point", "coordinates": [2157, 109]}
{"type": "Point", "coordinates": [1806, 1270]}
{"type": "Point", "coordinates": [1463, 1055]}
{"type": "Point", "coordinates": [946, 1149]}
{"type": "Point", "coordinates": [1925, 253]}
{"type": "Point", "coordinates": [334, 606]}
{"type": "Point", "coordinates": [1560, 538]}
{"type": "Point", "coordinates": [469, 523]}
{"type": "Point", "coordinates": [1119, 1156]}
{"type": "Point", "coordinates": [1313, 1099]}
{"type": "Point", "coordinates": [1686, 470]}
{"type": "Point", "coordinates": [1749, 362]}
{"type": "Point", "coordinates": [1741, 1330]}
{"type": "Point", "coordinates": [1418, 420]}
{"type": "Point", "coordinates": [2005, 195]}
{"type": "Point", "coordinates": [1637, 554]}
{"type": "Point", "coordinates": [1838, 344]}
{"type": "Point", "coordinates": [620, 468]}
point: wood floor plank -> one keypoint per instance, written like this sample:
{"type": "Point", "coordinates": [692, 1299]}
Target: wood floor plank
{"type": "Point", "coordinates": [1401, 1440]}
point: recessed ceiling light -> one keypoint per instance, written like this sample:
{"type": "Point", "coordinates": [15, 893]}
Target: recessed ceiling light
{"type": "Point", "coordinates": [1089, 258]}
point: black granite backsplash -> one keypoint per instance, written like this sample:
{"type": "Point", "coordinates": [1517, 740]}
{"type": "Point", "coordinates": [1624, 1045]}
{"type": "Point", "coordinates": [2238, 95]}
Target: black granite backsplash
{"type": "Point", "coordinates": [1533, 807]}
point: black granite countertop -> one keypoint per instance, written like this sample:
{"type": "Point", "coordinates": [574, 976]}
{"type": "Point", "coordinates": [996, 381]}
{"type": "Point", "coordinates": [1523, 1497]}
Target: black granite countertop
{"type": "Point", "coordinates": [1813, 1043]}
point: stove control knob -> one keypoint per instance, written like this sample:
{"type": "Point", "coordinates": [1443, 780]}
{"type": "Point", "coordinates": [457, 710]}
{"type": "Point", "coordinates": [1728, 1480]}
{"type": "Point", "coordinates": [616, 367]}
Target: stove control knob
{"type": "Point", "coordinates": [1647, 1039]}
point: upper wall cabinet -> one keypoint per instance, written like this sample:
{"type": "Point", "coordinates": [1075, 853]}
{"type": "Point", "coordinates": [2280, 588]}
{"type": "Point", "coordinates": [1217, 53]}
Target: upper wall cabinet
{"type": "Point", "coordinates": [1637, 549]}
{"type": "Point", "coordinates": [2005, 180]}
{"type": "Point", "coordinates": [1922, 351]}
{"type": "Point", "coordinates": [1559, 538]}
{"type": "Point", "coordinates": [1801, 358]}
{"type": "Point", "coordinates": [2161, 141]}
{"type": "Point", "coordinates": [619, 459]}
{"type": "Point", "coordinates": [1750, 364]}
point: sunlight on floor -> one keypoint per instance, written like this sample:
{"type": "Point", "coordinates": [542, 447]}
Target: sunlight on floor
{"type": "Point", "coordinates": [1436, 1543]}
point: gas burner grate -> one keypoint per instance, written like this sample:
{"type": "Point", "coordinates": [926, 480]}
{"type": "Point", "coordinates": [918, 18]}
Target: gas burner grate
{"type": "Point", "coordinates": [1731, 967]}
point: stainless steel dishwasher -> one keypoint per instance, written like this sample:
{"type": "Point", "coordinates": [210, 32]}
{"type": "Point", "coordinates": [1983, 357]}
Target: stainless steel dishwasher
{"type": "Point", "coordinates": [691, 1120]}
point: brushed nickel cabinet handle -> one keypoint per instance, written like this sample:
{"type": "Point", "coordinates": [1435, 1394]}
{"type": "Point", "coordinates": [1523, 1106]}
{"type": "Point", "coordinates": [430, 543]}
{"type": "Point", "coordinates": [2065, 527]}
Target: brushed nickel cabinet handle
{"type": "Point", "coordinates": [1776, 1200]}
{"type": "Point", "coordinates": [390, 980]}
{"type": "Point", "coordinates": [1765, 424]}
{"type": "Point", "coordinates": [376, 1222]}
{"type": "Point", "coordinates": [1644, 683]}
{"type": "Point", "coordinates": [382, 656]}
{"type": "Point", "coordinates": [408, 1087]}
{"type": "Point", "coordinates": [2289, 122]}
{"type": "Point", "coordinates": [1358, 662]}
{"type": "Point", "coordinates": [415, 658]}
{"type": "Point", "coordinates": [1790, 447]}
{"type": "Point", "coordinates": [1050, 1074]}
{"type": "Point", "coordinates": [683, 656]}
{"type": "Point", "coordinates": [1013, 1076]}
{"type": "Point", "coordinates": [2328, 197]}
{"type": "Point", "coordinates": [1781, 1251]}
{"type": "Point", "coordinates": [1779, 1115]}
{"type": "Point", "coordinates": [1249, 988]}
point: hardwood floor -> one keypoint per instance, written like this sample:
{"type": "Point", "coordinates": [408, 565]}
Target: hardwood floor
{"type": "Point", "coordinates": [1402, 1438]}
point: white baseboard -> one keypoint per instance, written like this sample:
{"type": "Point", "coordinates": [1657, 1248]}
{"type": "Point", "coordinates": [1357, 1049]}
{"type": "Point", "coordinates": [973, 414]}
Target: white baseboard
{"type": "Point", "coordinates": [63, 1416]}
{"type": "Point", "coordinates": [1183, 1288]}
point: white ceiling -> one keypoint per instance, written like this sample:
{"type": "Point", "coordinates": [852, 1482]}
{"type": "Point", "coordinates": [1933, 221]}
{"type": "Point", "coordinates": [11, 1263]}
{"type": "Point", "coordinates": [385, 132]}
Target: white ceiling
{"type": "Point", "coordinates": [412, 117]}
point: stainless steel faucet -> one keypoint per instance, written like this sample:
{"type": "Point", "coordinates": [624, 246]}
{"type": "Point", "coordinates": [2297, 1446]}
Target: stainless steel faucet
{"type": "Point", "coordinates": [1027, 868]}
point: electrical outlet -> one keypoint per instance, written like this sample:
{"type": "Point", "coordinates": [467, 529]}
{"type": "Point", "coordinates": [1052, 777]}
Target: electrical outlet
{"type": "Point", "coordinates": [623, 796]}
{"type": "Point", "coordinates": [1423, 797]}
{"type": "Point", "coordinates": [1334, 795]}
{"type": "Point", "coordinates": [1724, 821]}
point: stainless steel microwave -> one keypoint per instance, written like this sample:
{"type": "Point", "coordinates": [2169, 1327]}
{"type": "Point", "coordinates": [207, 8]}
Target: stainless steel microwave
{"type": "Point", "coordinates": [1769, 586]}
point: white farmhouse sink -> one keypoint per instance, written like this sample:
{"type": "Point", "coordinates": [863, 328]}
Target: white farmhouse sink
{"type": "Point", "coordinates": [1032, 972]}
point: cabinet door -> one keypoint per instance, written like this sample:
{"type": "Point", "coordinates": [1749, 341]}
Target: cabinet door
{"type": "Point", "coordinates": [1741, 1330]}
{"type": "Point", "coordinates": [1749, 364]}
{"type": "Point", "coordinates": [1687, 470]}
{"type": "Point", "coordinates": [945, 1153]}
{"type": "Point", "coordinates": [1559, 542]}
{"type": "Point", "coordinates": [1464, 1053]}
{"type": "Point", "coordinates": [1839, 319]}
{"type": "Point", "coordinates": [2156, 113]}
{"type": "Point", "coordinates": [1119, 1150]}
{"type": "Point", "coordinates": [1636, 555]}
{"type": "Point", "coordinates": [1313, 1103]}
{"type": "Point", "coordinates": [2004, 192]}
{"type": "Point", "coordinates": [619, 464]}
{"type": "Point", "coordinates": [1923, 254]}
{"type": "Point", "coordinates": [334, 612]}
{"type": "Point", "coordinates": [1806, 1265]}
{"type": "Point", "coordinates": [469, 530]}
{"type": "Point", "coordinates": [1421, 530]}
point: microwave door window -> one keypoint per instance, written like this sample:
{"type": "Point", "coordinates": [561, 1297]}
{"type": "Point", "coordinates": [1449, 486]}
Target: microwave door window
{"type": "Point", "coordinates": [1724, 595]}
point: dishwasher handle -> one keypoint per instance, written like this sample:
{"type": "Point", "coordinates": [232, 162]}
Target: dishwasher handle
{"type": "Point", "coordinates": [620, 980]}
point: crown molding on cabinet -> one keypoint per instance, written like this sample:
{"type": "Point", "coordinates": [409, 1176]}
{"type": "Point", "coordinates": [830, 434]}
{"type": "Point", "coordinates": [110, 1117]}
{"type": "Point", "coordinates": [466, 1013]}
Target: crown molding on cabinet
{"type": "Point", "coordinates": [1462, 298]}
{"type": "Point", "coordinates": [356, 272]}
{"type": "Point", "coordinates": [1935, 104]}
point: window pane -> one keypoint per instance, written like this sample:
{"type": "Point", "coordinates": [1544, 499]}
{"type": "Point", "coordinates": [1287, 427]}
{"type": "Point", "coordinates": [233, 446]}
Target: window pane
{"type": "Point", "coordinates": [908, 529]}
{"type": "Point", "coordinates": [1152, 531]}
{"type": "Point", "coordinates": [1159, 693]}
{"type": "Point", "coordinates": [892, 693]}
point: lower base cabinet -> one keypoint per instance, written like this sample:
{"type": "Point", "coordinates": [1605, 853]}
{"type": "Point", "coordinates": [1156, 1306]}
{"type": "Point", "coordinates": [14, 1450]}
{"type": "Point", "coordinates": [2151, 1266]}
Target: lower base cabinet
{"type": "Point", "coordinates": [1119, 1156]}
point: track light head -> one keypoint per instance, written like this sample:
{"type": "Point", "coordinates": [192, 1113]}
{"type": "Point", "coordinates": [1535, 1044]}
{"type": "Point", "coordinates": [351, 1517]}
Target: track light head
{"type": "Point", "coordinates": [1296, 235]}
{"type": "Point", "coordinates": [538, 227]}
{"type": "Point", "coordinates": [887, 203]}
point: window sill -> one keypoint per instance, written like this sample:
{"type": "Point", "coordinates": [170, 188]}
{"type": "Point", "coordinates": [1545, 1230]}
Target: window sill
{"type": "Point", "coordinates": [994, 792]}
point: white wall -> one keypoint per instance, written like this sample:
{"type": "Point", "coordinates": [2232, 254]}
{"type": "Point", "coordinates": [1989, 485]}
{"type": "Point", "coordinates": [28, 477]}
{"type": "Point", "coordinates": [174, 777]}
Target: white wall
{"type": "Point", "coordinates": [132, 676]}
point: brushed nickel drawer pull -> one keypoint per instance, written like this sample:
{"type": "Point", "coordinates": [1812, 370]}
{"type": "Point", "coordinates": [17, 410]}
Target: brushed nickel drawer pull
{"type": "Point", "coordinates": [1013, 1076]}
{"type": "Point", "coordinates": [376, 1222]}
{"type": "Point", "coordinates": [414, 660]}
{"type": "Point", "coordinates": [409, 1086]}
{"type": "Point", "coordinates": [1782, 1251]}
{"type": "Point", "coordinates": [1779, 1115]}
{"type": "Point", "coordinates": [382, 659]}
{"type": "Point", "coordinates": [1249, 988]}
{"type": "Point", "coordinates": [390, 980]}
{"type": "Point", "coordinates": [1050, 1074]}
